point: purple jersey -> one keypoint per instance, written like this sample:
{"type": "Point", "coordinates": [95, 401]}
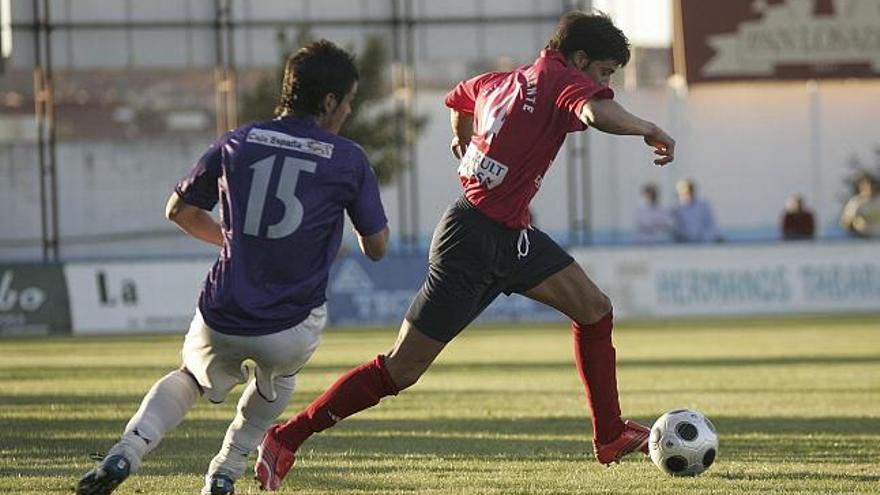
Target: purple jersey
{"type": "Point", "coordinates": [283, 186]}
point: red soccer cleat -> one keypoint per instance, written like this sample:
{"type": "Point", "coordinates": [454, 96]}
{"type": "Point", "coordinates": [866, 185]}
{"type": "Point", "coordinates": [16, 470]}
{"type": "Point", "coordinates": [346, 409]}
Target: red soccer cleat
{"type": "Point", "coordinates": [274, 460]}
{"type": "Point", "coordinates": [634, 438]}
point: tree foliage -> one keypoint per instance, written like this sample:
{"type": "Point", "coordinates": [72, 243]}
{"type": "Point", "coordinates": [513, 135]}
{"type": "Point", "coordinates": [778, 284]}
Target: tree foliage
{"type": "Point", "coordinates": [377, 122]}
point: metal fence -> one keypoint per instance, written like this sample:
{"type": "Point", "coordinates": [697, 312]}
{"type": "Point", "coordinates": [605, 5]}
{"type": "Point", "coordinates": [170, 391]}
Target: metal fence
{"type": "Point", "coordinates": [104, 100]}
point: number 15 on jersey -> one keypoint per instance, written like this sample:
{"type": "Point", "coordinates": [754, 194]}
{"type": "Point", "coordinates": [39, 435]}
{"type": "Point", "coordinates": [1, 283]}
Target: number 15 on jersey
{"type": "Point", "coordinates": [285, 192]}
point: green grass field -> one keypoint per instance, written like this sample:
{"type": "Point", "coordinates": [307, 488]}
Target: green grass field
{"type": "Point", "coordinates": [796, 403]}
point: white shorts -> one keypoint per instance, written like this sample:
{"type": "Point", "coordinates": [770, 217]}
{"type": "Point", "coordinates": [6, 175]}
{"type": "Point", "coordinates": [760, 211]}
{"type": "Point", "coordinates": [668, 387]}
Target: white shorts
{"type": "Point", "coordinates": [216, 360]}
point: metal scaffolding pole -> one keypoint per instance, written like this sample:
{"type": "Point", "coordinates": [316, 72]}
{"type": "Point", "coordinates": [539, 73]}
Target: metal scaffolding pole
{"type": "Point", "coordinates": [571, 190]}
{"type": "Point", "coordinates": [51, 137]}
{"type": "Point", "coordinates": [404, 25]}
{"type": "Point", "coordinates": [39, 82]}
{"type": "Point", "coordinates": [44, 112]}
{"type": "Point", "coordinates": [579, 158]}
{"type": "Point", "coordinates": [409, 118]}
{"type": "Point", "coordinates": [586, 187]}
{"type": "Point", "coordinates": [329, 22]}
{"type": "Point", "coordinates": [225, 87]}
{"type": "Point", "coordinates": [398, 82]}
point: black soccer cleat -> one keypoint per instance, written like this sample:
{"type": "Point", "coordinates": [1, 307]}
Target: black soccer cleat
{"type": "Point", "coordinates": [105, 477]}
{"type": "Point", "coordinates": [219, 484]}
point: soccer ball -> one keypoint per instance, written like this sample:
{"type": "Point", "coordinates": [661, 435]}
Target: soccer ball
{"type": "Point", "coordinates": [683, 443]}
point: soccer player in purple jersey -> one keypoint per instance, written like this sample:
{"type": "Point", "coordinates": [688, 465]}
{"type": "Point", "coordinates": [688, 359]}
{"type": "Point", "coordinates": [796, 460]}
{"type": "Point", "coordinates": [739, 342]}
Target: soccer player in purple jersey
{"type": "Point", "coordinates": [507, 127]}
{"type": "Point", "coordinates": [283, 186]}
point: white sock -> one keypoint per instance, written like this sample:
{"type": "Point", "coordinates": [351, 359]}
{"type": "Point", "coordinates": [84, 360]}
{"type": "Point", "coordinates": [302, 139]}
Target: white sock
{"type": "Point", "coordinates": [254, 416]}
{"type": "Point", "coordinates": [162, 409]}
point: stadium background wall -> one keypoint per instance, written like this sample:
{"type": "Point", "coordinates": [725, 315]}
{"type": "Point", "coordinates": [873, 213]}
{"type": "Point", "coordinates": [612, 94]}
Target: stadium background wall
{"type": "Point", "coordinates": [103, 297]}
{"type": "Point", "coordinates": [33, 300]}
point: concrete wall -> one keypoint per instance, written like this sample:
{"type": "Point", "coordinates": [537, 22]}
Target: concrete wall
{"type": "Point", "coordinates": [747, 146]}
{"type": "Point", "coordinates": [673, 282]}
{"type": "Point", "coordinates": [149, 34]}
{"type": "Point", "coordinates": [107, 191]}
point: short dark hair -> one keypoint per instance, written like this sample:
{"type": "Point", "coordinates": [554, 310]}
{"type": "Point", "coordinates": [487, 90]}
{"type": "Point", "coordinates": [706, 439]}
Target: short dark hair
{"type": "Point", "coordinates": [311, 73]}
{"type": "Point", "coordinates": [594, 33]}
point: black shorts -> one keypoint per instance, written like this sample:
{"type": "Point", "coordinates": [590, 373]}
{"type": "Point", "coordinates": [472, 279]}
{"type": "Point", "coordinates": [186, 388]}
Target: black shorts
{"type": "Point", "coordinates": [472, 260]}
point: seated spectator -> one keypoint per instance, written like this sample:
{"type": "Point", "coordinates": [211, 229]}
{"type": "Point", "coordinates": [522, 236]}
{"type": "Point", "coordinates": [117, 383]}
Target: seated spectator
{"type": "Point", "coordinates": [797, 221]}
{"type": "Point", "coordinates": [693, 217]}
{"type": "Point", "coordinates": [653, 224]}
{"type": "Point", "coordinates": [861, 214]}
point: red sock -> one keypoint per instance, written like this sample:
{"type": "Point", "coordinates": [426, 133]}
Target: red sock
{"type": "Point", "coordinates": [359, 389]}
{"type": "Point", "coordinates": [596, 363]}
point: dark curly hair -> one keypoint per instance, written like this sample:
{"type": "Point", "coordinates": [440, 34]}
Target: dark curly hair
{"type": "Point", "coordinates": [593, 33]}
{"type": "Point", "coordinates": [312, 72]}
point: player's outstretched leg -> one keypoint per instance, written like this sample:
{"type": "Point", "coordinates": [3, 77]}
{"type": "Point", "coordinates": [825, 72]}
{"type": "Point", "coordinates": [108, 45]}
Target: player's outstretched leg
{"type": "Point", "coordinates": [596, 361]}
{"type": "Point", "coordinates": [163, 408]}
{"type": "Point", "coordinates": [359, 389]}
{"type": "Point", "coordinates": [574, 294]}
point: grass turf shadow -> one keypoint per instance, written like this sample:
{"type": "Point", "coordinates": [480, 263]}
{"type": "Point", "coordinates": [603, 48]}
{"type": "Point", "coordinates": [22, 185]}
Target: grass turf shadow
{"type": "Point", "coordinates": [821, 440]}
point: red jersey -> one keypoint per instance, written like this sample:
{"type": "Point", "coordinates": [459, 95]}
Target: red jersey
{"type": "Point", "coordinates": [520, 121]}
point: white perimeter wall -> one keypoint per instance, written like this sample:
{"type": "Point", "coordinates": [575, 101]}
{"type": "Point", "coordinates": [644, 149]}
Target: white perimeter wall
{"type": "Point", "coordinates": [673, 281]}
{"type": "Point", "coordinates": [747, 146]}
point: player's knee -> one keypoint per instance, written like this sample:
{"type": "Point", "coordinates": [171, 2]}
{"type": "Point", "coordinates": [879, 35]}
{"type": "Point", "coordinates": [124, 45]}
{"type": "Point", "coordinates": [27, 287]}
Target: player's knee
{"type": "Point", "coordinates": [596, 306]}
{"type": "Point", "coordinates": [602, 305]}
{"type": "Point", "coordinates": [183, 369]}
{"type": "Point", "coordinates": [405, 374]}
{"type": "Point", "coordinates": [407, 380]}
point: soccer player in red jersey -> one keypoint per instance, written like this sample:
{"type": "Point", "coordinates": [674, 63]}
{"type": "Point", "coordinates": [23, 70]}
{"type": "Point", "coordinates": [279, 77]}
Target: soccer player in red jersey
{"type": "Point", "coordinates": [507, 128]}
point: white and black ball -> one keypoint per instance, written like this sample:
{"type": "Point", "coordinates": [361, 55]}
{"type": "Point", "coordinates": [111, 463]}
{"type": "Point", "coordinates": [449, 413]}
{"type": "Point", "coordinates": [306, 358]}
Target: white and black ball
{"type": "Point", "coordinates": [683, 443]}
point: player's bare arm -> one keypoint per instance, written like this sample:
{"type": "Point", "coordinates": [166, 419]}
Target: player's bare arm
{"type": "Point", "coordinates": [462, 130]}
{"type": "Point", "coordinates": [373, 246]}
{"type": "Point", "coordinates": [609, 116]}
{"type": "Point", "coordinates": [193, 220]}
